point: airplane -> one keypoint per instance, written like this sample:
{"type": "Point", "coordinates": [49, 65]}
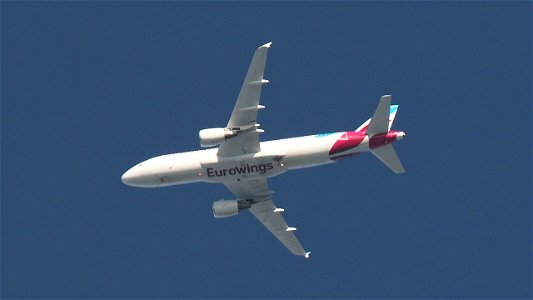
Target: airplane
{"type": "Point", "coordinates": [243, 164]}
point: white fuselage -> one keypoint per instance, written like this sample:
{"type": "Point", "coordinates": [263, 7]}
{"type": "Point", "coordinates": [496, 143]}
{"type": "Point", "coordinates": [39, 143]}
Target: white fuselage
{"type": "Point", "coordinates": [242, 163]}
{"type": "Point", "coordinates": [275, 157]}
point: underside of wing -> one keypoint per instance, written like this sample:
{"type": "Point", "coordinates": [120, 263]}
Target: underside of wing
{"type": "Point", "coordinates": [266, 212]}
{"type": "Point", "coordinates": [264, 209]}
{"type": "Point", "coordinates": [243, 143]}
{"type": "Point", "coordinates": [243, 120]}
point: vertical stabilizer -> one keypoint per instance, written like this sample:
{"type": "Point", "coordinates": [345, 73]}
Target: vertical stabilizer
{"type": "Point", "coordinates": [380, 121]}
{"type": "Point", "coordinates": [392, 114]}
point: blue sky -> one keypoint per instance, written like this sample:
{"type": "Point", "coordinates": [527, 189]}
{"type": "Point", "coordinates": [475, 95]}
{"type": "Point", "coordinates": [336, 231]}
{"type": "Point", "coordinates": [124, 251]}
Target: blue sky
{"type": "Point", "coordinates": [91, 88]}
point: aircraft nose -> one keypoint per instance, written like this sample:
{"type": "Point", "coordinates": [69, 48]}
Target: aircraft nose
{"type": "Point", "coordinates": [127, 177]}
{"type": "Point", "coordinates": [132, 177]}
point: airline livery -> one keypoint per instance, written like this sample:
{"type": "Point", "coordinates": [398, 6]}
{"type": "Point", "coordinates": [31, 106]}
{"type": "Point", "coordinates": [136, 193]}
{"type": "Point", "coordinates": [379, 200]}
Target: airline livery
{"type": "Point", "coordinates": [242, 163]}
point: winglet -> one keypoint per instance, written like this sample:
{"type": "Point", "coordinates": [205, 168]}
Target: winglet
{"type": "Point", "coordinates": [258, 82]}
{"type": "Point", "coordinates": [307, 254]}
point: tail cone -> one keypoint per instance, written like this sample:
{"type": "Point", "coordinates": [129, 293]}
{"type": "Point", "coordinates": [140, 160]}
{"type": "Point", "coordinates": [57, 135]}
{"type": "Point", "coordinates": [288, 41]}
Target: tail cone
{"type": "Point", "coordinates": [400, 135]}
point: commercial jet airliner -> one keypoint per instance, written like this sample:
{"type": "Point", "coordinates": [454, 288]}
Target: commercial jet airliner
{"type": "Point", "coordinates": [243, 164]}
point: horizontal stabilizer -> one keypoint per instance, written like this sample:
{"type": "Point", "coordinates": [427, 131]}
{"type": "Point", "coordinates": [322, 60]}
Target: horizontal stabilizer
{"type": "Point", "coordinates": [388, 156]}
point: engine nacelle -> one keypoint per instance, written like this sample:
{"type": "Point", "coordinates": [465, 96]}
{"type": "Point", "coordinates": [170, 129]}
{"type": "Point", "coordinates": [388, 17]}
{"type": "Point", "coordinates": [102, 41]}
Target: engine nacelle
{"type": "Point", "coordinates": [225, 208]}
{"type": "Point", "coordinates": [229, 208]}
{"type": "Point", "coordinates": [214, 136]}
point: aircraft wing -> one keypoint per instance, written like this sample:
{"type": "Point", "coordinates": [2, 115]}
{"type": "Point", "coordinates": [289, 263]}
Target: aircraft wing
{"type": "Point", "coordinates": [266, 211]}
{"type": "Point", "coordinates": [243, 120]}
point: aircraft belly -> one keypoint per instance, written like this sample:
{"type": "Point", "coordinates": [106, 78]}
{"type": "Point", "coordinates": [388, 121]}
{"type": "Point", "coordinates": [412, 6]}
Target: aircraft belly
{"type": "Point", "coordinates": [306, 160]}
{"type": "Point", "coordinates": [313, 151]}
{"type": "Point", "coordinates": [178, 169]}
{"type": "Point", "coordinates": [242, 167]}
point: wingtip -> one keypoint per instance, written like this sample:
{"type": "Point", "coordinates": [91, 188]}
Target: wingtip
{"type": "Point", "coordinates": [307, 254]}
{"type": "Point", "coordinates": [267, 45]}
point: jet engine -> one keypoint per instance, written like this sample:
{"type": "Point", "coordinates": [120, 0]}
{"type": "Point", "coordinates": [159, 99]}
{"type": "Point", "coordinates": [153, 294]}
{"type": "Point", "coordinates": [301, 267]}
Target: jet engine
{"type": "Point", "coordinates": [214, 136]}
{"type": "Point", "coordinates": [229, 208]}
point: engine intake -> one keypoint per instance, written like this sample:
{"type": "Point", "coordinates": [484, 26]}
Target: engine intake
{"type": "Point", "coordinates": [214, 136]}
{"type": "Point", "coordinates": [229, 208]}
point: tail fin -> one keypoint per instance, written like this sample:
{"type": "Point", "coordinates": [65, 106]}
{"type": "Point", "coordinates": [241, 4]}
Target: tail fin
{"type": "Point", "coordinates": [388, 156]}
{"type": "Point", "coordinates": [382, 115]}
{"type": "Point", "coordinates": [381, 122]}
